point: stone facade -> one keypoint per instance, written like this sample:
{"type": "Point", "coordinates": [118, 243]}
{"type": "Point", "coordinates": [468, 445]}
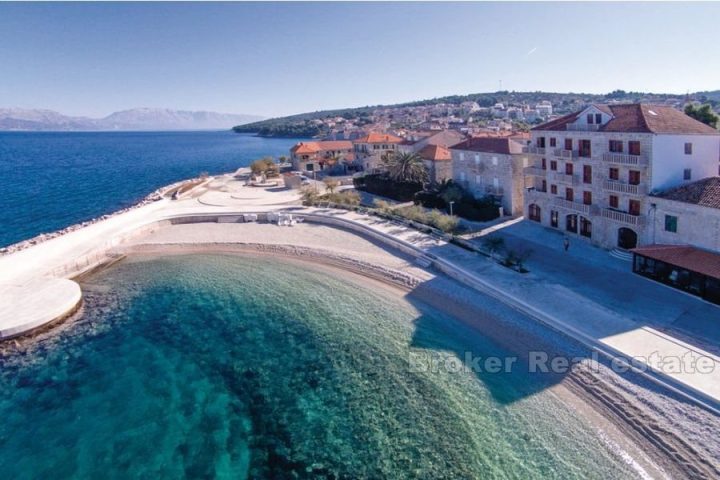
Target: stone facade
{"type": "Point", "coordinates": [492, 166]}
{"type": "Point", "coordinates": [596, 184]}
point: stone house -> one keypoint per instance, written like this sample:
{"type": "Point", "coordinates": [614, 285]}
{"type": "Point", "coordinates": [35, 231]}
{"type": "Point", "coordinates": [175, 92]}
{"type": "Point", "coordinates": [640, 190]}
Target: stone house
{"type": "Point", "coordinates": [493, 165]}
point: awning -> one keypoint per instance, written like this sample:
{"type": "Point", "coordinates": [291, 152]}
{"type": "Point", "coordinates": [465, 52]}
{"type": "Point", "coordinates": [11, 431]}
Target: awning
{"type": "Point", "coordinates": [684, 256]}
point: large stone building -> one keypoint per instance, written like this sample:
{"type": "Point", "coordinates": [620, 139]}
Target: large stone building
{"type": "Point", "coordinates": [493, 165]}
{"type": "Point", "coordinates": [372, 149]}
{"type": "Point", "coordinates": [317, 156]}
{"type": "Point", "coordinates": [593, 171]}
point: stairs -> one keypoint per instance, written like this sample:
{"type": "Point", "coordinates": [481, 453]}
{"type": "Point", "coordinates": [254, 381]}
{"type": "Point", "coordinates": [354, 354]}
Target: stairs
{"type": "Point", "coordinates": [621, 254]}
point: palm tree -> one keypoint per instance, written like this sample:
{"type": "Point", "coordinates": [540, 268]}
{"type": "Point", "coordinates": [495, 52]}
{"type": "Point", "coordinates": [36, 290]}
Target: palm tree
{"type": "Point", "coordinates": [406, 167]}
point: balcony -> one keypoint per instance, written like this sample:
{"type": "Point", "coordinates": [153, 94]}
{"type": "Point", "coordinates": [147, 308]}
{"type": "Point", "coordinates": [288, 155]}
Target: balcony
{"type": "Point", "coordinates": [622, 217]}
{"type": "Point", "coordinates": [562, 153]}
{"type": "Point", "coordinates": [536, 171]}
{"type": "Point", "coordinates": [559, 177]}
{"type": "Point", "coordinates": [624, 159]}
{"type": "Point", "coordinates": [533, 195]}
{"type": "Point", "coordinates": [573, 206]}
{"type": "Point", "coordinates": [496, 191]}
{"type": "Point", "coordinates": [620, 187]}
{"type": "Point", "coordinates": [534, 150]}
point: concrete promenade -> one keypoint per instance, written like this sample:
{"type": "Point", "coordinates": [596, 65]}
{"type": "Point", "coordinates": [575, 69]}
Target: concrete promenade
{"type": "Point", "coordinates": [588, 319]}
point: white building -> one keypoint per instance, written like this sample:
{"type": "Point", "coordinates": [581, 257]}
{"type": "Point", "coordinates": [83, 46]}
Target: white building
{"type": "Point", "coordinates": [593, 170]}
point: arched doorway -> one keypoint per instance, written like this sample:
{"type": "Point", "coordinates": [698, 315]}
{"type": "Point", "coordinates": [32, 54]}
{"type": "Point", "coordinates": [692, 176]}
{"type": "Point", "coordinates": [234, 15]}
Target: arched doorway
{"type": "Point", "coordinates": [534, 212]}
{"type": "Point", "coordinates": [571, 223]}
{"type": "Point", "coordinates": [585, 227]}
{"type": "Point", "coordinates": [627, 238]}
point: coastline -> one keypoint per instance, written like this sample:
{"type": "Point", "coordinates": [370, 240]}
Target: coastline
{"type": "Point", "coordinates": [132, 235]}
{"type": "Point", "coordinates": [654, 448]}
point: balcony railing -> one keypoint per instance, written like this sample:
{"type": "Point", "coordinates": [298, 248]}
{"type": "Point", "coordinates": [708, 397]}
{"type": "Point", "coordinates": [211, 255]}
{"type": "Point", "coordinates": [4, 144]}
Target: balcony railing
{"type": "Point", "coordinates": [624, 159]}
{"type": "Point", "coordinates": [574, 206]}
{"type": "Point", "coordinates": [534, 149]}
{"type": "Point", "coordinates": [583, 127]}
{"type": "Point", "coordinates": [534, 194]}
{"type": "Point", "coordinates": [612, 186]}
{"type": "Point", "coordinates": [623, 217]}
{"type": "Point", "coordinates": [491, 190]}
{"type": "Point", "coordinates": [559, 177]}
{"type": "Point", "coordinates": [562, 153]}
{"type": "Point", "coordinates": [536, 171]}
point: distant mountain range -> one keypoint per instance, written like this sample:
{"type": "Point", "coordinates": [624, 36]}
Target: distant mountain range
{"type": "Point", "coordinates": [127, 120]}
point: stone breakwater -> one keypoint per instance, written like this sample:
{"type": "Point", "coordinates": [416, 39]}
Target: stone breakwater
{"type": "Point", "coordinates": [44, 237]}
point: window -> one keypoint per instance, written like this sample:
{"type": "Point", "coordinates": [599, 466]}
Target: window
{"type": "Point", "coordinates": [541, 142]}
{"type": "Point", "coordinates": [477, 159]}
{"type": "Point", "coordinates": [634, 207]}
{"type": "Point", "coordinates": [571, 223]}
{"type": "Point", "coordinates": [687, 174]}
{"type": "Point", "coordinates": [634, 177]}
{"type": "Point", "coordinates": [587, 198]}
{"type": "Point", "coordinates": [688, 149]}
{"type": "Point", "coordinates": [614, 201]}
{"type": "Point", "coordinates": [590, 118]}
{"type": "Point", "coordinates": [553, 165]}
{"type": "Point", "coordinates": [585, 150]}
{"type": "Point", "coordinates": [587, 174]}
{"type": "Point", "coordinates": [569, 194]}
{"type": "Point", "coordinates": [553, 189]}
{"type": "Point", "coordinates": [534, 211]}
{"type": "Point", "coordinates": [598, 118]}
{"type": "Point", "coordinates": [543, 187]}
{"type": "Point", "coordinates": [494, 160]}
{"type": "Point", "coordinates": [671, 223]}
{"type": "Point", "coordinates": [614, 173]}
{"type": "Point", "coordinates": [553, 142]}
{"type": "Point", "coordinates": [568, 144]}
{"type": "Point", "coordinates": [615, 146]}
{"type": "Point", "coordinates": [568, 168]}
{"type": "Point", "coordinates": [634, 147]}
{"type": "Point", "coordinates": [462, 156]}
{"type": "Point", "coordinates": [543, 163]}
{"type": "Point", "coordinates": [553, 218]}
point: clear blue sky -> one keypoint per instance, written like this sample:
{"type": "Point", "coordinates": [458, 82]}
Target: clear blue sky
{"type": "Point", "coordinates": [281, 58]}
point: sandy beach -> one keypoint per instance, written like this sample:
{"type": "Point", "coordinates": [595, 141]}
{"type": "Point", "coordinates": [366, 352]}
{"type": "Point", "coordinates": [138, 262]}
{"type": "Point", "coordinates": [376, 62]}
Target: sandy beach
{"type": "Point", "coordinates": [661, 435]}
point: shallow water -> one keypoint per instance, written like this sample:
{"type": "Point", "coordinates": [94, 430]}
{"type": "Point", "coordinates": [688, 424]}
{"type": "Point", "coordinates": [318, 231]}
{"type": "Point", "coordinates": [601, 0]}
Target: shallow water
{"type": "Point", "coordinates": [218, 366]}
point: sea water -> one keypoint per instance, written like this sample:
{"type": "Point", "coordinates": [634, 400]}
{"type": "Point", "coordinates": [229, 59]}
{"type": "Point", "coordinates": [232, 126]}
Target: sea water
{"type": "Point", "coordinates": [222, 366]}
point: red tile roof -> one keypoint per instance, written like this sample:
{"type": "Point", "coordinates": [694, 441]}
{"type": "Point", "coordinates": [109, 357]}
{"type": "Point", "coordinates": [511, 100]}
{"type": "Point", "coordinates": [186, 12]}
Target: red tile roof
{"type": "Point", "coordinates": [374, 137]}
{"type": "Point", "coordinates": [316, 147]}
{"type": "Point", "coordinates": [684, 256]}
{"type": "Point", "coordinates": [436, 153]}
{"type": "Point", "coordinates": [502, 145]}
{"type": "Point", "coordinates": [640, 118]}
{"type": "Point", "coordinates": [705, 192]}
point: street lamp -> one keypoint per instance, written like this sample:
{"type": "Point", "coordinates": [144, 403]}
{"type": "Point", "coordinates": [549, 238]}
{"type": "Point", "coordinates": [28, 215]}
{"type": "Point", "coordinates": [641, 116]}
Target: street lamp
{"type": "Point", "coordinates": [451, 204]}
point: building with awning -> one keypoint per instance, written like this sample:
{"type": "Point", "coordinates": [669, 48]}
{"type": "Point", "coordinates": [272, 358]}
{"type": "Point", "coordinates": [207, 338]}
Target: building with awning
{"type": "Point", "coordinates": [691, 269]}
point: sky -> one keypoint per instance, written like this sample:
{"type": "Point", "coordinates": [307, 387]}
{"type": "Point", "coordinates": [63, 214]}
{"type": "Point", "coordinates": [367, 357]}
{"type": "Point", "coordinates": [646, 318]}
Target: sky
{"type": "Point", "coordinates": [275, 59]}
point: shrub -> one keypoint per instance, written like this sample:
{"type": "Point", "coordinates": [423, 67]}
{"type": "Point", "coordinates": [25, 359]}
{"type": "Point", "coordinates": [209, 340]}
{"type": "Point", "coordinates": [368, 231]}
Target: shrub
{"type": "Point", "coordinates": [346, 197]}
{"type": "Point", "coordinates": [331, 184]}
{"type": "Point", "coordinates": [384, 186]}
{"type": "Point", "coordinates": [429, 199]}
{"type": "Point", "coordinates": [265, 166]}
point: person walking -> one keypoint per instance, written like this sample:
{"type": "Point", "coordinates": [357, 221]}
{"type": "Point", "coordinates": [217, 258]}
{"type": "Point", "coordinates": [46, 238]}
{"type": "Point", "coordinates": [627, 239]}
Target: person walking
{"type": "Point", "coordinates": [566, 243]}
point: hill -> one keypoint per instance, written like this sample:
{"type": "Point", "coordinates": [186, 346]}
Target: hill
{"type": "Point", "coordinates": [135, 119]}
{"type": "Point", "coordinates": [311, 124]}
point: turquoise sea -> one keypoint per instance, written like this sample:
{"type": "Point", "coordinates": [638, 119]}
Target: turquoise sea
{"type": "Point", "coordinates": [220, 366]}
{"type": "Point", "coordinates": [51, 180]}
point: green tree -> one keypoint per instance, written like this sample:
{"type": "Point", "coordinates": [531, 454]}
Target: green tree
{"type": "Point", "coordinates": [702, 113]}
{"type": "Point", "coordinates": [406, 167]}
